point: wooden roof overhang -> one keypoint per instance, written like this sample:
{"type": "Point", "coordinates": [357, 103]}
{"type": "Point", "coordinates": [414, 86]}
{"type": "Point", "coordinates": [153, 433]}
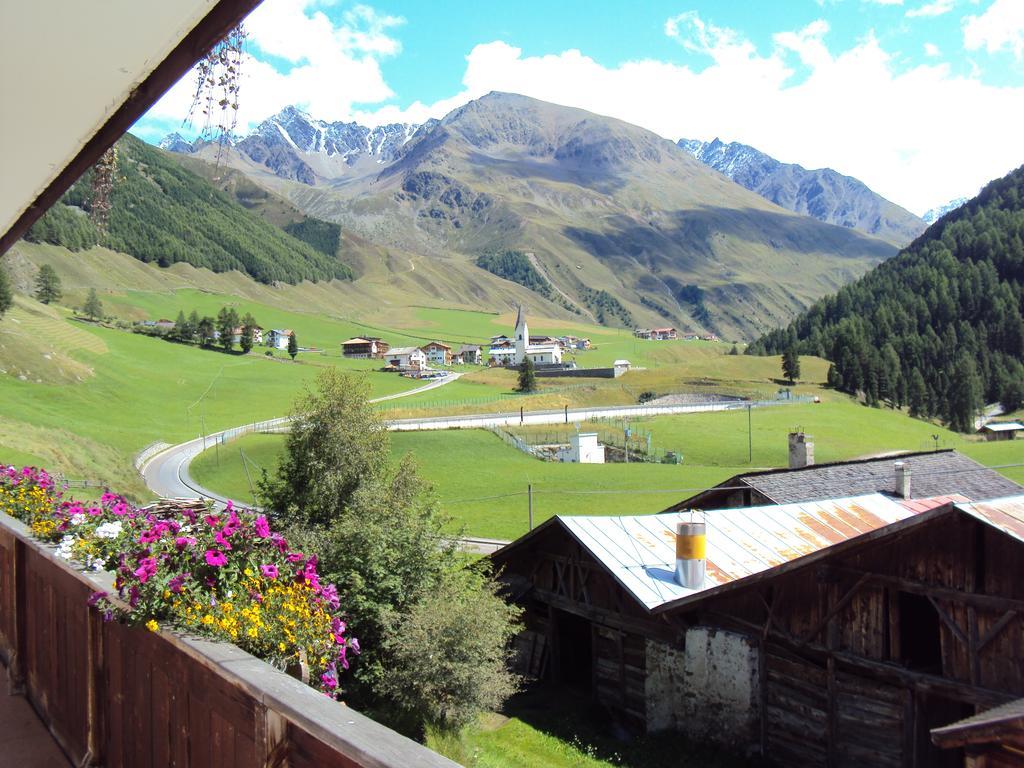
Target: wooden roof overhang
{"type": "Point", "coordinates": [186, 42]}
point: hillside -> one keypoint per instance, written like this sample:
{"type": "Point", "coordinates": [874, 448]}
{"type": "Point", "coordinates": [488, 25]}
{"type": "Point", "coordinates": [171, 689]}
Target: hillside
{"type": "Point", "coordinates": [941, 326]}
{"type": "Point", "coordinates": [163, 213]}
{"type": "Point", "coordinates": [822, 193]}
{"type": "Point", "coordinates": [602, 205]}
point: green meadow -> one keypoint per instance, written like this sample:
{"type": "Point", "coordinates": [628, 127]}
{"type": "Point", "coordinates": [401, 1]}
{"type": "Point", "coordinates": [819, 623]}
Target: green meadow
{"type": "Point", "coordinates": [83, 399]}
{"type": "Point", "coordinates": [482, 483]}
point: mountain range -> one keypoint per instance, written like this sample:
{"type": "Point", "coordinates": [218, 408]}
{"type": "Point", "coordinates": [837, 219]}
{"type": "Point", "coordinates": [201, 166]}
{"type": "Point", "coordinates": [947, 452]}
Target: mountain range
{"type": "Point", "coordinates": [934, 214]}
{"type": "Point", "coordinates": [599, 207]}
{"type": "Point", "coordinates": [824, 194]}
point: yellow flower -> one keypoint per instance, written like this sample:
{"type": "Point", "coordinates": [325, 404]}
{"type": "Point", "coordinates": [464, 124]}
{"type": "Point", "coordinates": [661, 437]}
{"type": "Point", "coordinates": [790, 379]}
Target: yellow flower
{"type": "Point", "coordinates": [152, 626]}
{"type": "Point", "coordinates": [208, 619]}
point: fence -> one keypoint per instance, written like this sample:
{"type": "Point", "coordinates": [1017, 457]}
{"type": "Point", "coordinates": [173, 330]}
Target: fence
{"type": "Point", "coordinates": [116, 696]}
{"type": "Point", "coordinates": [634, 446]}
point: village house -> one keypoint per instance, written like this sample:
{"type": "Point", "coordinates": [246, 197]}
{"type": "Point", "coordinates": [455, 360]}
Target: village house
{"type": "Point", "coordinates": [1006, 430]}
{"type": "Point", "coordinates": [468, 354]}
{"type": "Point", "coordinates": [407, 358]}
{"type": "Point", "coordinates": [582, 344]}
{"type": "Point", "coordinates": [906, 476]}
{"type": "Point", "coordinates": [709, 337]}
{"type": "Point", "coordinates": [438, 353]}
{"type": "Point", "coordinates": [502, 353]}
{"type": "Point", "coordinates": [364, 348]}
{"type": "Point", "coordinates": [664, 334]}
{"type": "Point", "coordinates": [691, 337]}
{"type": "Point", "coordinates": [642, 333]}
{"type": "Point", "coordinates": [278, 338]}
{"type": "Point", "coordinates": [821, 633]}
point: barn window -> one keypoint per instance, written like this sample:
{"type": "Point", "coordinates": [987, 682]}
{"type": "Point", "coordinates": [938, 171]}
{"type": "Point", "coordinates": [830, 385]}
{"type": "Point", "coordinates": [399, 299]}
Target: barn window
{"type": "Point", "coordinates": [920, 637]}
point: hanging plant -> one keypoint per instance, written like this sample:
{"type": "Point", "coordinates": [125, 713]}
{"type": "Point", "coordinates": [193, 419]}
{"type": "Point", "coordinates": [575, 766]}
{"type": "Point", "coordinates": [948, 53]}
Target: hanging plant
{"type": "Point", "coordinates": [102, 186]}
{"type": "Point", "coordinates": [218, 81]}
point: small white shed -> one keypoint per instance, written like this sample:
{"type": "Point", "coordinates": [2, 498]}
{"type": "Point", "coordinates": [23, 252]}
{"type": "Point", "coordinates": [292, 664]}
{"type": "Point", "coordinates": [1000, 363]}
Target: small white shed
{"type": "Point", "coordinates": [583, 449]}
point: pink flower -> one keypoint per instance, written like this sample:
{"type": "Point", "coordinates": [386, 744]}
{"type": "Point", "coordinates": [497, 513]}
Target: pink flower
{"type": "Point", "coordinates": [175, 584]}
{"type": "Point", "coordinates": [120, 509]}
{"type": "Point", "coordinates": [147, 568]}
{"type": "Point", "coordinates": [222, 538]}
{"type": "Point", "coordinates": [184, 541]}
{"type": "Point", "coordinates": [296, 557]}
{"type": "Point", "coordinates": [212, 520]}
{"type": "Point", "coordinates": [270, 571]}
{"type": "Point", "coordinates": [216, 558]}
{"type": "Point", "coordinates": [262, 527]}
{"type": "Point", "coordinates": [94, 511]}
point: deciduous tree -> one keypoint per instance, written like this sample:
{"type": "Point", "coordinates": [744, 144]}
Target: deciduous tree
{"type": "Point", "coordinates": [6, 296]}
{"type": "Point", "coordinates": [93, 308]}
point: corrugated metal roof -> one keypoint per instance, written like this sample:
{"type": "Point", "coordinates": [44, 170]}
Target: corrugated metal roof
{"type": "Point", "coordinates": [917, 506]}
{"type": "Point", "coordinates": [639, 550]}
{"type": "Point", "coordinates": [1006, 514]}
{"type": "Point", "coordinates": [1005, 426]}
{"type": "Point", "coordinates": [1009, 716]}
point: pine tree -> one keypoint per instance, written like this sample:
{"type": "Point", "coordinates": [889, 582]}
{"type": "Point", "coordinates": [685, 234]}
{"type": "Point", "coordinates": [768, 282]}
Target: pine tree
{"type": "Point", "coordinates": [193, 323]}
{"type": "Point", "coordinates": [248, 328]}
{"type": "Point", "coordinates": [227, 321]}
{"type": "Point", "coordinates": [527, 376]}
{"type": "Point", "coordinates": [181, 329]}
{"type": "Point", "coordinates": [734, 351]}
{"type": "Point", "coordinates": [6, 297]}
{"type": "Point", "coordinates": [93, 306]}
{"type": "Point", "coordinates": [47, 284]}
{"type": "Point", "coordinates": [964, 398]}
{"type": "Point", "coordinates": [791, 364]}
{"type": "Point", "coordinates": [293, 345]}
{"type": "Point", "coordinates": [205, 329]}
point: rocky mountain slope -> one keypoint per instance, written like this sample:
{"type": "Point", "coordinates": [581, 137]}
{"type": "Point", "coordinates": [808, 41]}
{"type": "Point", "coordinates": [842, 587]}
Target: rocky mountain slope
{"type": "Point", "coordinates": [602, 206]}
{"type": "Point", "coordinates": [823, 194]}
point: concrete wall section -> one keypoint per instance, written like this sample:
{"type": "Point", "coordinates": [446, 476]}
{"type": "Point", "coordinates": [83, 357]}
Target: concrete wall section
{"type": "Point", "coordinates": [708, 690]}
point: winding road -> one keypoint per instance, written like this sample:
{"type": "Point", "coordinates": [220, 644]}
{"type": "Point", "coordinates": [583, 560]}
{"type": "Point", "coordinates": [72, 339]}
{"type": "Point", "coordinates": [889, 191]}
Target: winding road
{"type": "Point", "coordinates": [167, 472]}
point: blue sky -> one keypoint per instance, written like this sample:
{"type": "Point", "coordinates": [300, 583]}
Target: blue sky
{"type": "Point", "coordinates": [890, 91]}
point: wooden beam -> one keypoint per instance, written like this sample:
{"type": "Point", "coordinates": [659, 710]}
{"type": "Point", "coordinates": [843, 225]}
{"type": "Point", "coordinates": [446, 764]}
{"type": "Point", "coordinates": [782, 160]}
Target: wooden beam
{"type": "Point", "coordinates": [996, 629]}
{"type": "Point", "coordinates": [207, 33]}
{"type": "Point", "coordinates": [645, 627]}
{"type": "Point", "coordinates": [836, 608]}
{"type": "Point", "coordinates": [988, 602]}
{"type": "Point", "coordinates": [948, 621]}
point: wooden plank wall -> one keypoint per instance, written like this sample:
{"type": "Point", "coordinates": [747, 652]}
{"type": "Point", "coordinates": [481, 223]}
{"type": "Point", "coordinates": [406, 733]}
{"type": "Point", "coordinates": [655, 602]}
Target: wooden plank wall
{"type": "Point", "coordinates": [125, 697]}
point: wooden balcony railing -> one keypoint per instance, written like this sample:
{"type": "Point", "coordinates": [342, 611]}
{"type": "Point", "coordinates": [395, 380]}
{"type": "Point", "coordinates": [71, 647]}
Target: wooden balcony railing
{"type": "Point", "coordinates": [117, 696]}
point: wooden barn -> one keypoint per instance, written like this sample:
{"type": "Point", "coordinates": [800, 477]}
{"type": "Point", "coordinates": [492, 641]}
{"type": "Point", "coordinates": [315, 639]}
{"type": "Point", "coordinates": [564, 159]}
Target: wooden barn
{"type": "Point", "coordinates": [829, 633]}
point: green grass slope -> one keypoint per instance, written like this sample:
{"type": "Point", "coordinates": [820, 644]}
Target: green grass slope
{"type": "Point", "coordinates": [163, 213]}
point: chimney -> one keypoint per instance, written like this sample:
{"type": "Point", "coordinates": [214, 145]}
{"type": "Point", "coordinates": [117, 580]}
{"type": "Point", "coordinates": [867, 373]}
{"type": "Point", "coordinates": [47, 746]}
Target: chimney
{"type": "Point", "coordinates": [902, 479]}
{"type": "Point", "coordinates": [691, 554]}
{"type": "Point", "coordinates": [801, 450]}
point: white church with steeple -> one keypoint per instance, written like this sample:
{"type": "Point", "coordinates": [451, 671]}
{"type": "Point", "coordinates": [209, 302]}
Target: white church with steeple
{"type": "Point", "coordinates": [540, 354]}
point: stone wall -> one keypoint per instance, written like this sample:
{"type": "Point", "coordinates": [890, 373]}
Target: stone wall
{"type": "Point", "coordinates": [707, 690]}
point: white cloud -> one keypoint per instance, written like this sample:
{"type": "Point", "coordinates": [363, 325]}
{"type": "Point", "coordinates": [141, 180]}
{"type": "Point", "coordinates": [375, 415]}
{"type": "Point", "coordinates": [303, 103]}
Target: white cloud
{"type": "Point", "coordinates": [330, 66]}
{"type": "Point", "coordinates": [854, 110]}
{"type": "Point", "coordinates": [999, 27]}
{"type": "Point", "coordinates": [857, 110]}
{"type": "Point", "coordinates": [937, 8]}
{"type": "Point", "coordinates": [883, 2]}
{"type": "Point", "coordinates": [932, 50]}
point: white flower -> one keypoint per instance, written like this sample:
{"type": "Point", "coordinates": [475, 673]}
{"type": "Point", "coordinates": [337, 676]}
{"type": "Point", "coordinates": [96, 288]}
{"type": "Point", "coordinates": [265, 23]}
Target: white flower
{"type": "Point", "coordinates": [65, 547]}
{"type": "Point", "coordinates": [77, 519]}
{"type": "Point", "coordinates": [109, 530]}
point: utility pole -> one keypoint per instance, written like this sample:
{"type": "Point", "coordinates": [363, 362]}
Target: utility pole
{"type": "Point", "coordinates": [245, 466]}
{"type": "Point", "coordinates": [567, 413]}
{"type": "Point", "coordinates": [529, 497]}
{"type": "Point", "coordinates": [520, 415]}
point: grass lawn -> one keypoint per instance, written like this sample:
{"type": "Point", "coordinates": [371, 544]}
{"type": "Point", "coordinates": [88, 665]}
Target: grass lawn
{"type": "Point", "coordinates": [87, 398]}
{"type": "Point", "coordinates": [551, 727]}
{"type": "Point", "coordinates": [482, 483]}
{"type": "Point", "coordinates": [841, 428]}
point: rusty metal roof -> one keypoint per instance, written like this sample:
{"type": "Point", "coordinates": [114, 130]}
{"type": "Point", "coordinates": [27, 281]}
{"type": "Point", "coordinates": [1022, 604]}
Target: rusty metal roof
{"type": "Point", "coordinates": [1006, 514]}
{"type": "Point", "coordinates": [984, 727]}
{"type": "Point", "coordinates": [639, 550]}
